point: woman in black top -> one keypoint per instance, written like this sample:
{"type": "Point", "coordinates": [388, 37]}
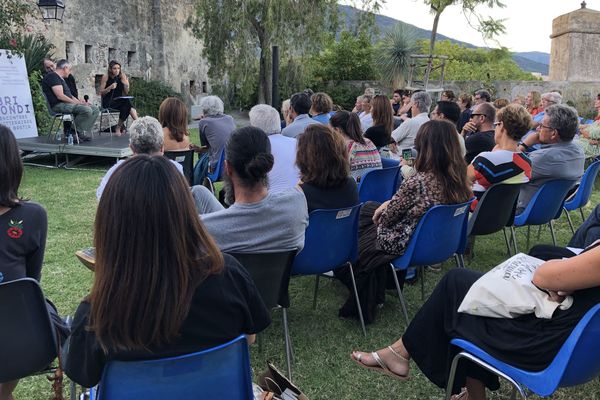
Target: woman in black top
{"type": "Point", "coordinates": [324, 168]}
{"type": "Point", "coordinates": [383, 122]}
{"type": "Point", "coordinates": [113, 85]}
{"type": "Point", "coordinates": [161, 285]}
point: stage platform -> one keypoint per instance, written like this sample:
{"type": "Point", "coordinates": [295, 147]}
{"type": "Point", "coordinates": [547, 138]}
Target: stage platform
{"type": "Point", "coordinates": [116, 147]}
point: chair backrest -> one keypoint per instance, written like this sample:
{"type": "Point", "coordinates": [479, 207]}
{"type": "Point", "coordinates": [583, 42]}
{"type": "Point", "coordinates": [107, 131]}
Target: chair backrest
{"type": "Point", "coordinates": [50, 111]}
{"type": "Point", "coordinates": [378, 184]}
{"type": "Point", "coordinates": [186, 159]}
{"type": "Point", "coordinates": [222, 372]}
{"type": "Point", "coordinates": [582, 196]}
{"type": "Point", "coordinates": [388, 162]}
{"type": "Point", "coordinates": [330, 240]}
{"type": "Point", "coordinates": [27, 337]}
{"type": "Point", "coordinates": [270, 273]}
{"type": "Point", "coordinates": [546, 203]}
{"type": "Point", "coordinates": [216, 174]}
{"type": "Point", "coordinates": [494, 209]}
{"type": "Point", "coordinates": [441, 232]}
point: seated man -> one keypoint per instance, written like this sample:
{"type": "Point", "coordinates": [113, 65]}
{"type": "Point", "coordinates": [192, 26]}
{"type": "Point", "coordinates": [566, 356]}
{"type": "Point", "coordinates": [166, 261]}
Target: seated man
{"type": "Point", "coordinates": [300, 105]}
{"type": "Point", "coordinates": [257, 221]}
{"type": "Point", "coordinates": [449, 111]}
{"type": "Point", "coordinates": [145, 137]}
{"type": "Point", "coordinates": [406, 133]}
{"type": "Point", "coordinates": [548, 99]}
{"type": "Point", "coordinates": [559, 156]}
{"type": "Point", "coordinates": [284, 174]}
{"type": "Point", "coordinates": [62, 100]}
{"type": "Point", "coordinates": [479, 131]}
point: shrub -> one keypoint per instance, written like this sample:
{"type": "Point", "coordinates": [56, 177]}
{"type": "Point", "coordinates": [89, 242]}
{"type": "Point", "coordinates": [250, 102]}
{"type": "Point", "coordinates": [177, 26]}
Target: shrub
{"type": "Point", "coordinates": [149, 94]}
{"type": "Point", "coordinates": [43, 119]}
{"type": "Point", "coordinates": [35, 49]}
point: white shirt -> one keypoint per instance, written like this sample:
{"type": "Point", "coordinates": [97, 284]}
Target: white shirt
{"type": "Point", "coordinates": [366, 121]}
{"type": "Point", "coordinates": [284, 174]}
{"type": "Point", "coordinates": [406, 133]}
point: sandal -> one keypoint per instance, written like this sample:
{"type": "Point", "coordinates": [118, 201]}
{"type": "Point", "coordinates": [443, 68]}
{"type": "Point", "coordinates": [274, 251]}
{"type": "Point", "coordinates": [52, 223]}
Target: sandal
{"type": "Point", "coordinates": [382, 368]}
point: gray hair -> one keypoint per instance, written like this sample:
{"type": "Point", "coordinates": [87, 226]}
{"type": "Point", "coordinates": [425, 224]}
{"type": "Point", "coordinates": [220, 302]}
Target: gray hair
{"type": "Point", "coordinates": [146, 136]}
{"type": "Point", "coordinates": [422, 100]}
{"type": "Point", "coordinates": [211, 105]}
{"type": "Point", "coordinates": [554, 97]}
{"type": "Point", "coordinates": [62, 63]}
{"type": "Point", "coordinates": [285, 106]}
{"type": "Point", "coordinates": [265, 117]}
{"type": "Point", "coordinates": [564, 119]}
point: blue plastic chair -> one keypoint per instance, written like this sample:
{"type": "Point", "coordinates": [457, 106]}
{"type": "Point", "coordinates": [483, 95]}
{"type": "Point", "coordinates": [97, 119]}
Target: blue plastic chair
{"type": "Point", "coordinates": [577, 361]}
{"type": "Point", "coordinates": [215, 176]}
{"type": "Point", "coordinates": [545, 205]}
{"type": "Point", "coordinates": [388, 162]}
{"type": "Point", "coordinates": [330, 241]}
{"type": "Point", "coordinates": [441, 233]}
{"type": "Point", "coordinates": [378, 185]}
{"type": "Point", "coordinates": [222, 372]}
{"type": "Point", "coordinates": [584, 191]}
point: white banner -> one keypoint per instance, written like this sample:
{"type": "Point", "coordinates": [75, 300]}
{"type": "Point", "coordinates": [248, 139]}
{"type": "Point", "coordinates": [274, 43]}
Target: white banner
{"type": "Point", "coordinates": [16, 106]}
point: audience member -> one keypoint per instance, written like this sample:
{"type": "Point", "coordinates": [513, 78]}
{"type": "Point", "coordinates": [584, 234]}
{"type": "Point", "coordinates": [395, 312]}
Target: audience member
{"type": "Point", "coordinates": [366, 117]}
{"type": "Point", "coordinates": [559, 156]}
{"type": "Point", "coordinates": [385, 230]}
{"type": "Point", "coordinates": [519, 100]}
{"type": "Point", "coordinates": [299, 107]}
{"type": "Point", "coordinates": [590, 134]}
{"type": "Point", "coordinates": [173, 117]}
{"type": "Point", "coordinates": [504, 164]}
{"type": "Point", "coordinates": [479, 131]}
{"type": "Point", "coordinates": [358, 105]}
{"type": "Point", "coordinates": [533, 102]}
{"type": "Point", "coordinates": [145, 137]}
{"type": "Point", "coordinates": [500, 103]}
{"type": "Point", "coordinates": [257, 221]}
{"type": "Point", "coordinates": [284, 174]}
{"type": "Point", "coordinates": [321, 107]}
{"type": "Point", "coordinates": [482, 96]}
{"type": "Point", "coordinates": [23, 236]}
{"type": "Point", "coordinates": [448, 95]}
{"type": "Point", "coordinates": [396, 100]}
{"type": "Point", "coordinates": [214, 128]}
{"type": "Point", "coordinates": [465, 102]}
{"type": "Point", "coordinates": [449, 111]}
{"type": "Point", "coordinates": [182, 294]}
{"type": "Point", "coordinates": [362, 153]}
{"type": "Point", "coordinates": [116, 83]}
{"type": "Point", "coordinates": [324, 170]}
{"type": "Point", "coordinates": [525, 342]}
{"type": "Point", "coordinates": [404, 111]}
{"type": "Point", "coordinates": [61, 100]}
{"type": "Point", "coordinates": [381, 131]}
{"type": "Point", "coordinates": [405, 134]}
{"type": "Point", "coordinates": [285, 113]}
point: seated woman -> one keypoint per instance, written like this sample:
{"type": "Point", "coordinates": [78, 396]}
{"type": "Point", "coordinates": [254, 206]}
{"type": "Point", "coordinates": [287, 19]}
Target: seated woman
{"type": "Point", "coordinates": [380, 133]}
{"type": "Point", "coordinates": [504, 164]}
{"type": "Point", "coordinates": [590, 134]}
{"type": "Point", "coordinates": [324, 169]}
{"type": "Point", "coordinates": [173, 117]}
{"type": "Point", "coordinates": [525, 342]}
{"type": "Point", "coordinates": [257, 221]}
{"type": "Point", "coordinates": [362, 153]}
{"type": "Point", "coordinates": [321, 107]}
{"type": "Point", "coordinates": [386, 229]}
{"type": "Point", "coordinates": [23, 229]}
{"type": "Point", "coordinates": [184, 298]}
{"type": "Point", "coordinates": [116, 83]}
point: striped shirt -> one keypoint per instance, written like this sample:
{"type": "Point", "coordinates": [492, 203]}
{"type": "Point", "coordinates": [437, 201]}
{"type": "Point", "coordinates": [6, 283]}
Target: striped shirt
{"type": "Point", "coordinates": [363, 158]}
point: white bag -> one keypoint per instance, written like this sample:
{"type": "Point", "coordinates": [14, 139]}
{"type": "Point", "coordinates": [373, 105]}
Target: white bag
{"type": "Point", "coordinates": [507, 292]}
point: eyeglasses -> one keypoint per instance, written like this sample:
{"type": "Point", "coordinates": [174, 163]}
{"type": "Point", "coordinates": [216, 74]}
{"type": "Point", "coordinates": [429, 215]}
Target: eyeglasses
{"type": "Point", "coordinates": [474, 115]}
{"type": "Point", "coordinates": [540, 127]}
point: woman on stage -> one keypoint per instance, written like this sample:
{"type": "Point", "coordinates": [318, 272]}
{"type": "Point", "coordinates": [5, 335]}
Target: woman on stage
{"type": "Point", "coordinates": [113, 87]}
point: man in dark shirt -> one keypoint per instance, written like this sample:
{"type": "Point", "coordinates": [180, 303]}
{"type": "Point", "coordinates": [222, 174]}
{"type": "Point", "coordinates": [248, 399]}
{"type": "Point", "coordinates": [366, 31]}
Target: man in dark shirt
{"type": "Point", "coordinates": [62, 100]}
{"type": "Point", "coordinates": [50, 66]}
{"type": "Point", "coordinates": [479, 131]}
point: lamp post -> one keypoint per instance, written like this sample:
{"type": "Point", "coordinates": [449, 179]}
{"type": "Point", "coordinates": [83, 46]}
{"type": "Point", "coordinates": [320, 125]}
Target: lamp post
{"type": "Point", "coordinates": [52, 9]}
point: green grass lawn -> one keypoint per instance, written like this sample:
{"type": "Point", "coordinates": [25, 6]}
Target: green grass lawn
{"type": "Point", "coordinates": [322, 341]}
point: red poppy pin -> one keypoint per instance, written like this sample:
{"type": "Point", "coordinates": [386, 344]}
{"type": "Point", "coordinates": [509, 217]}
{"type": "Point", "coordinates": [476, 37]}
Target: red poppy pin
{"type": "Point", "coordinates": [15, 229]}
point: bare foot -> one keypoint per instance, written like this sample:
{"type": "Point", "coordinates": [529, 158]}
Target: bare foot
{"type": "Point", "coordinates": [396, 362]}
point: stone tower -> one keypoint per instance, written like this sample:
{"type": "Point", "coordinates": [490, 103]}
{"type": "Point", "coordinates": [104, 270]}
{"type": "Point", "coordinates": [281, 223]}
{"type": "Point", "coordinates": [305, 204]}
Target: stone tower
{"type": "Point", "coordinates": [575, 43]}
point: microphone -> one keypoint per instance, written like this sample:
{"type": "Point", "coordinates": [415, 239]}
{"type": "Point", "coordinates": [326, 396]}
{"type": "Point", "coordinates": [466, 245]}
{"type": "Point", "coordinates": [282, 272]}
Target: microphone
{"type": "Point", "coordinates": [86, 98]}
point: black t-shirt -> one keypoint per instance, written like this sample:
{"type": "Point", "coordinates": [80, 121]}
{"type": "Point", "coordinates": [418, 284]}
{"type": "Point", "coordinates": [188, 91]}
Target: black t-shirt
{"type": "Point", "coordinates": [52, 79]}
{"type": "Point", "coordinates": [223, 307]}
{"type": "Point", "coordinates": [478, 142]}
{"type": "Point", "coordinates": [378, 136]}
{"type": "Point", "coordinates": [331, 198]}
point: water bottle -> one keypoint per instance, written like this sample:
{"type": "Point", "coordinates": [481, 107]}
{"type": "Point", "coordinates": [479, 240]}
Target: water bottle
{"type": "Point", "coordinates": [70, 140]}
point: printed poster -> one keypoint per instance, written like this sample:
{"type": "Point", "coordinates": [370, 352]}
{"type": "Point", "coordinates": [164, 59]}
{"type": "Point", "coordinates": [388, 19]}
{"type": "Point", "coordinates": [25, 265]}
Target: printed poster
{"type": "Point", "coordinates": [16, 106]}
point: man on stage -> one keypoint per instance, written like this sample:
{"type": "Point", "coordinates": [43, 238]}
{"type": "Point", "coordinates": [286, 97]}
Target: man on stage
{"type": "Point", "coordinates": [62, 100]}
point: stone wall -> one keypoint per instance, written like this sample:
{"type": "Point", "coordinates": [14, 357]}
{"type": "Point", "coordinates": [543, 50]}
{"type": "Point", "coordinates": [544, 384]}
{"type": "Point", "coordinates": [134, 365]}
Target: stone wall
{"type": "Point", "coordinates": [148, 38]}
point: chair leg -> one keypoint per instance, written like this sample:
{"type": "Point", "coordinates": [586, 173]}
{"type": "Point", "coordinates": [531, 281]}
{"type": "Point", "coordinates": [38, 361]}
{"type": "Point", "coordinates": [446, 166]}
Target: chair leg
{"type": "Point", "coordinates": [582, 216]}
{"type": "Point", "coordinates": [400, 296]}
{"type": "Point", "coordinates": [315, 295]}
{"type": "Point", "coordinates": [570, 222]}
{"type": "Point", "coordinates": [457, 261]}
{"type": "Point", "coordinates": [360, 314]}
{"type": "Point", "coordinates": [422, 270]}
{"type": "Point", "coordinates": [462, 261]}
{"type": "Point", "coordinates": [72, 391]}
{"type": "Point", "coordinates": [508, 250]}
{"type": "Point", "coordinates": [514, 238]}
{"type": "Point", "coordinates": [552, 232]}
{"type": "Point", "coordinates": [288, 344]}
{"type": "Point", "coordinates": [528, 235]}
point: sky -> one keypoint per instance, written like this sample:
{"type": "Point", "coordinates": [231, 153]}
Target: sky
{"type": "Point", "coordinates": [528, 22]}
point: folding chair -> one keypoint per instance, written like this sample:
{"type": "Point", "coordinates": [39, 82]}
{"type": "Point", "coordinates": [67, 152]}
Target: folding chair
{"type": "Point", "coordinates": [215, 176]}
{"type": "Point", "coordinates": [54, 133]}
{"type": "Point", "coordinates": [186, 159]}
{"type": "Point", "coordinates": [378, 185]}
{"type": "Point", "coordinates": [583, 193]}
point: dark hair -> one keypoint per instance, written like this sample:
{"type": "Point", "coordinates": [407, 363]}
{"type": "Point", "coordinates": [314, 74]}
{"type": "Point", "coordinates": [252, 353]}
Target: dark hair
{"type": "Point", "coordinates": [321, 102]}
{"type": "Point", "coordinates": [515, 119]}
{"type": "Point", "coordinates": [11, 168]}
{"type": "Point", "coordinates": [321, 157]}
{"type": "Point", "coordinates": [300, 102]}
{"type": "Point", "coordinates": [111, 64]}
{"type": "Point", "coordinates": [383, 113]}
{"type": "Point", "coordinates": [248, 152]}
{"type": "Point", "coordinates": [60, 64]}
{"type": "Point", "coordinates": [484, 94]}
{"type": "Point", "coordinates": [152, 252]}
{"type": "Point", "coordinates": [450, 109]}
{"type": "Point", "coordinates": [449, 94]}
{"type": "Point", "coordinates": [439, 152]}
{"type": "Point", "coordinates": [349, 123]}
{"type": "Point", "coordinates": [466, 99]}
{"type": "Point", "coordinates": [400, 92]}
{"type": "Point", "coordinates": [173, 114]}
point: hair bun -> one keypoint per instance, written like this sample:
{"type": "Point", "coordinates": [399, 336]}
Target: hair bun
{"type": "Point", "coordinates": [259, 166]}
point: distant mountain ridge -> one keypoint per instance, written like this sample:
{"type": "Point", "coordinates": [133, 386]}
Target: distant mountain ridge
{"type": "Point", "coordinates": [530, 61]}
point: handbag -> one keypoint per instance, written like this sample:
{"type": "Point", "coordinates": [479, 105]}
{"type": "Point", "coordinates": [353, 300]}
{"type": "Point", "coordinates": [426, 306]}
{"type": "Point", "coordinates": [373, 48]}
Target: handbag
{"type": "Point", "coordinates": [273, 380]}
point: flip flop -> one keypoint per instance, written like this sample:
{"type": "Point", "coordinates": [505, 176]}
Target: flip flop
{"type": "Point", "coordinates": [382, 368]}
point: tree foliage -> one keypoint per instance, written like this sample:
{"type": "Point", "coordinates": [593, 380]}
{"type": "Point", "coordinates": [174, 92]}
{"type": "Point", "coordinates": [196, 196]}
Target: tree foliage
{"type": "Point", "coordinates": [392, 54]}
{"type": "Point", "coordinates": [13, 16]}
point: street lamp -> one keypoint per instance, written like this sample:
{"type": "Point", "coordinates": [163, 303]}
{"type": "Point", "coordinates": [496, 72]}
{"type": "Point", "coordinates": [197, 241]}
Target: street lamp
{"type": "Point", "coordinates": [52, 9]}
